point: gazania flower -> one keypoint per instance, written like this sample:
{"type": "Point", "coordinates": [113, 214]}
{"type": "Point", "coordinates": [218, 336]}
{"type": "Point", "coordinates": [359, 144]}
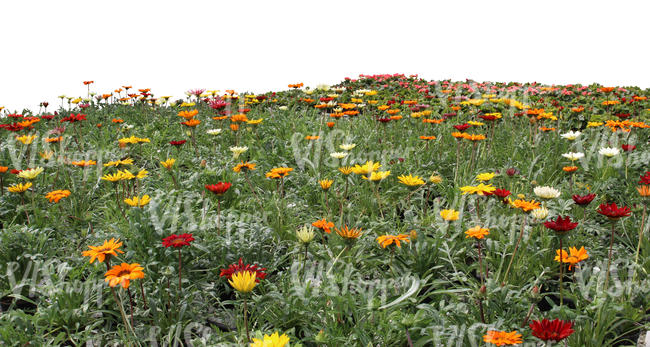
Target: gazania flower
{"type": "Point", "coordinates": [138, 201]}
{"type": "Point", "coordinates": [583, 200]}
{"type": "Point", "coordinates": [325, 184]}
{"type": "Point", "coordinates": [427, 138]}
{"type": "Point", "coordinates": [546, 192]}
{"type": "Point", "coordinates": [366, 168]}
{"type": "Point", "coordinates": [177, 143]}
{"type": "Point", "coordinates": [561, 225]}
{"type": "Point", "coordinates": [613, 212]}
{"type": "Point", "coordinates": [570, 169]}
{"type": "Point", "coordinates": [109, 248]}
{"type": "Point", "coordinates": [26, 139]}
{"type": "Point", "coordinates": [449, 215]}
{"type": "Point", "coordinates": [502, 338]}
{"type": "Point", "coordinates": [377, 176]}
{"type": "Point", "coordinates": [122, 274]}
{"type": "Point", "coordinates": [56, 195]}
{"type": "Point", "coordinates": [279, 172]}
{"type": "Point", "coordinates": [323, 225]}
{"type": "Point", "coordinates": [188, 114]}
{"type": "Point", "coordinates": [539, 213]}
{"type": "Point", "coordinates": [237, 151]}
{"type": "Point", "coordinates": [273, 340]}
{"type": "Point", "coordinates": [645, 179]}
{"type": "Point", "coordinates": [387, 240]}
{"type": "Point", "coordinates": [477, 232]}
{"type": "Point", "coordinates": [219, 188]}
{"type": "Point", "coordinates": [168, 164]}
{"type": "Point", "coordinates": [348, 233]}
{"type": "Point", "coordinates": [410, 180]}
{"type": "Point", "coordinates": [573, 156]}
{"type": "Point", "coordinates": [571, 135]}
{"type": "Point", "coordinates": [575, 256]}
{"type": "Point", "coordinates": [338, 155]}
{"type": "Point", "coordinates": [486, 176]}
{"type": "Point", "coordinates": [19, 187]}
{"type": "Point", "coordinates": [628, 148]}
{"type": "Point", "coordinates": [240, 267]}
{"type": "Point", "coordinates": [435, 178]}
{"type": "Point", "coordinates": [177, 241]}
{"type": "Point", "coordinates": [644, 191]}
{"type": "Point", "coordinates": [244, 167]}
{"type": "Point", "coordinates": [481, 189]}
{"type": "Point", "coordinates": [609, 151]}
{"type": "Point", "coordinates": [524, 205]}
{"type": "Point", "coordinates": [346, 170]}
{"type": "Point", "coordinates": [243, 281]}
{"type": "Point", "coordinates": [30, 174]}
{"type": "Point", "coordinates": [116, 163]}
{"type": "Point", "coordinates": [305, 234]}
{"type": "Point", "coordinates": [555, 330]}
{"type": "Point", "coordinates": [83, 163]}
{"type": "Point", "coordinates": [191, 123]}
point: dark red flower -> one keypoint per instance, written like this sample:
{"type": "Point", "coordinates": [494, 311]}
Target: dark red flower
{"type": "Point", "coordinates": [177, 143]}
{"type": "Point", "coordinates": [561, 225]}
{"type": "Point", "coordinates": [12, 127]}
{"type": "Point", "coordinates": [462, 127]}
{"type": "Point", "coordinates": [488, 117]}
{"type": "Point", "coordinates": [219, 188]}
{"type": "Point", "coordinates": [383, 120]}
{"type": "Point", "coordinates": [177, 241]}
{"type": "Point", "coordinates": [613, 212]}
{"type": "Point", "coordinates": [238, 267]}
{"type": "Point", "coordinates": [628, 148]}
{"type": "Point", "coordinates": [645, 179]}
{"type": "Point", "coordinates": [449, 115]}
{"type": "Point", "coordinates": [15, 115]}
{"type": "Point", "coordinates": [217, 104]}
{"type": "Point", "coordinates": [15, 172]}
{"type": "Point", "coordinates": [583, 200]}
{"type": "Point", "coordinates": [512, 171]}
{"type": "Point", "coordinates": [622, 115]}
{"type": "Point", "coordinates": [47, 117]}
{"type": "Point", "coordinates": [74, 118]}
{"type": "Point", "coordinates": [555, 330]}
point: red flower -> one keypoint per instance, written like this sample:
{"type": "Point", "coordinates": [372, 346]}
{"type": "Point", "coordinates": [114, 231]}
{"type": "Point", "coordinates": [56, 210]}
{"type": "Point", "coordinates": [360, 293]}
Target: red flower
{"type": "Point", "coordinates": [219, 188]}
{"type": "Point", "coordinates": [512, 171]}
{"type": "Point", "coordinates": [177, 241]}
{"type": "Point", "coordinates": [72, 118]}
{"type": "Point", "coordinates": [12, 127]}
{"type": "Point", "coordinates": [502, 193]}
{"type": "Point", "coordinates": [645, 179]}
{"type": "Point", "coordinates": [462, 127]}
{"type": "Point", "coordinates": [561, 225]}
{"type": "Point", "coordinates": [238, 267]}
{"type": "Point", "coordinates": [555, 330]}
{"type": "Point", "coordinates": [613, 212]}
{"type": "Point", "coordinates": [583, 200]}
{"type": "Point", "coordinates": [177, 143]}
{"type": "Point", "coordinates": [628, 148]}
{"type": "Point", "coordinates": [384, 120]}
{"type": "Point", "coordinates": [47, 117]}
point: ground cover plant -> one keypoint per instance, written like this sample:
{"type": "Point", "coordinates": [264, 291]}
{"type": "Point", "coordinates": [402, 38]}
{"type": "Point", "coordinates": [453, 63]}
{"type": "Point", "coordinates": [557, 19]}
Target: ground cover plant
{"type": "Point", "coordinates": [386, 210]}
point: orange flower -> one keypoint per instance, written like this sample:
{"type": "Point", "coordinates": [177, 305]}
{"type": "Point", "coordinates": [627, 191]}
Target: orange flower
{"type": "Point", "coordinates": [122, 274]}
{"type": "Point", "coordinates": [101, 252]}
{"type": "Point", "coordinates": [502, 338]}
{"type": "Point", "coordinates": [83, 163]}
{"type": "Point", "coordinates": [234, 127]}
{"type": "Point", "coordinates": [387, 240]}
{"type": "Point", "coordinates": [526, 206]}
{"type": "Point", "coordinates": [545, 129]}
{"type": "Point", "coordinates": [244, 167]}
{"type": "Point", "coordinates": [117, 120]}
{"type": "Point", "coordinates": [188, 114]}
{"type": "Point", "coordinates": [3, 169]}
{"type": "Point", "coordinates": [220, 117]}
{"type": "Point", "coordinates": [644, 191]}
{"type": "Point", "coordinates": [427, 138]}
{"type": "Point", "coordinates": [330, 124]}
{"type": "Point", "coordinates": [324, 225]}
{"type": "Point", "coordinates": [312, 137]}
{"type": "Point", "coordinates": [238, 118]}
{"type": "Point", "coordinates": [279, 172]}
{"type": "Point", "coordinates": [432, 121]}
{"type": "Point", "coordinates": [477, 232]}
{"type": "Point", "coordinates": [473, 137]}
{"type": "Point", "coordinates": [191, 123]}
{"type": "Point", "coordinates": [349, 234]}
{"type": "Point", "coordinates": [570, 168]}
{"type": "Point", "coordinates": [56, 195]}
{"type": "Point", "coordinates": [54, 139]}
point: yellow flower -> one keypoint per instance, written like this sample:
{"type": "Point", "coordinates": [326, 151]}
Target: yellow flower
{"type": "Point", "coordinates": [254, 121]}
{"type": "Point", "coordinates": [47, 155]}
{"type": "Point", "coordinates": [113, 177]}
{"type": "Point", "coordinates": [477, 232]}
{"type": "Point", "coordinates": [19, 188]}
{"type": "Point", "coordinates": [435, 178]}
{"type": "Point", "coordinates": [594, 124]}
{"type": "Point", "coordinates": [449, 215]}
{"type": "Point", "coordinates": [167, 164]}
{"type": "Point", "coordinates": [30, 174]}
{"type": "Point", "coordinates": [305, 234]}
{"type": "Point", "coordinates": [486, 176]}
{"type": "Point", "coordinates": [377, 176]}
{"type": "Point", "coordinates": [26, 139]}
{"type": "Point", "coordinates": [474, 123]}
{"type": "Point", "coordinates": [346, 170]}
{"type": "Point", "coordinates": [243, 281]}
{"type": "Point", "coordinates": [325, 184]}
{"type": "Point", "coordinates": [274, 340]}
{"type": "Point", "coordinates": [142, 174]}
{"type": "Point", "coordinates": [137, 201]}
{"type": "Point", "coordinates": [366, 168]}
{"type": "Point", "coordinates": [411, 180]}
{"type": "Point", "coordinates": [481, 189]}
{"type": "Point", "coordinates": [127, 161]}
{"type": "Point", "coordinates": [387, 240]}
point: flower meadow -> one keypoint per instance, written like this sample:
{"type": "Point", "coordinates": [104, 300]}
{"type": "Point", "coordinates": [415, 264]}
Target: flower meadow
{"type": "Point", "coordinates": [385, 210]}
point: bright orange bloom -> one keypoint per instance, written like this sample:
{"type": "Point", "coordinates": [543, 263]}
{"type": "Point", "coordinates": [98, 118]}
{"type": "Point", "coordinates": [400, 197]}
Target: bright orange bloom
{"type": "Point", "coordinates": [188, 114]}
{"type": "Point", "coordinates": [244, 167]}
{"type": "Point", "coordinates": [570, 168]}
{"type": "Point", "coordinates": [123, 273]}
{"type": "Point", "coordinates": [238, 118]}
{"type": "Point", "coordinates": [54, 139]}
{"type": "Point", "coordinates": [109, 248]}
{"type": "Point", "coordinates": [644, 191]}
{"type": "Point", "coordinates": [192, 122]}
{"type": "Point", "coordinates": [477, 232]}
{"type": "Point", "coordinates": [427, 138]}
{"type": "Point", "coordinates": [56, 195]}
{"type": "Point", "coordinates": [279, 172]}
{"type": "Point", "coordinates": [312, 137]}
{"type": "Point", "coordinates": [324, 225]}
{"type": "Point", "coordinates": [234, 126]}
{"type": "Point", "coordinates": [526, 206]}
{"type": "Point", "coordinates": [473, 137]}
{"type": "Point", "coordinates": [83, 163]}
{"type": "Point", "coordinates": [347, 233]}
{"type": "Point", "coordinates": [387, 240]}
{"type": "Point", "coordinates": [502, 338]}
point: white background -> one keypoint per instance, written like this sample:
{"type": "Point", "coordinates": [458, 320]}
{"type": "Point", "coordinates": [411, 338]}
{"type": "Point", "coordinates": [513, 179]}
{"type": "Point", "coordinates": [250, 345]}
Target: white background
{"type": "Point", "coordinates": [49, 47]}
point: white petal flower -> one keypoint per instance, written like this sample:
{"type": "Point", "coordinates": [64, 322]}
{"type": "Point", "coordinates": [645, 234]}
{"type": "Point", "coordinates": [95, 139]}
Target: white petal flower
{"type": "Point", "coordinates": [546, 192]}
{"type": "Point", "coordinates": [571, 135]}
{"type": "Point", "coordinates": [347, 146]}
{"type": "Point", "coordinates": [539, 213]}
{"type": "Point", "coordinates": [236, 151]}
{"type": "Point", "coordinates": [573, 156]}
{"type": "Point", "coordinates": [214, 131]}
{"type": "Point", "coordinates": [338, 155]}
{"type": "Point", "coordinates": [609, 151]}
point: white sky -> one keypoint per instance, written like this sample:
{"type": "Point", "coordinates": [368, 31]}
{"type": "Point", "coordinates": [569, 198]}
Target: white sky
{"type": "Point", "coordinates": [47, 48]}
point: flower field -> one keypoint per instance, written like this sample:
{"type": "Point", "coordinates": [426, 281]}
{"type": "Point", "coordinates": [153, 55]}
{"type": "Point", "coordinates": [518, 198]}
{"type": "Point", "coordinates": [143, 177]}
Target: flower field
{"type": "Point", "coordinates": [385, 210]}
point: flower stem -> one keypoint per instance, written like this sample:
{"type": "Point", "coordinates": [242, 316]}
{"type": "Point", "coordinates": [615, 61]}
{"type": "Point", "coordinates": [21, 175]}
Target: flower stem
{"type": "Point", "coordinates": [561, 271]}
{"type": "Point", "coordinates": [521, 234]}
{"type": "Point", "coordinates": [609, 259]}
{"type": "Point", "coordinates": [248, 336]}
{"type": "Point", "coordinates": [638, 247]}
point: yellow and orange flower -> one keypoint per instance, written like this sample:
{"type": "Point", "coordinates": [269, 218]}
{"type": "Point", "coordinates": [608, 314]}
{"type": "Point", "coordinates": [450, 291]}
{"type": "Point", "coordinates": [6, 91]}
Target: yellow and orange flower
{"type": "Point", "coordinates": [109, 248]}
{"type": "Point", "coordinates": [122, 274]}
{"type": "Point", "coordinates": [387, 240]}
{"type": "Point", "coordinates": [56, 195]}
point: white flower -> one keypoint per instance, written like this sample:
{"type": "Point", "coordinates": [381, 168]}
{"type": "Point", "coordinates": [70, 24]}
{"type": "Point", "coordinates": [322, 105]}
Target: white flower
{"type": "Point", "coordinates": [127, 126]}
{"type": "Point", "coordinates": [609, 151]}
{"type": "Point", "coordinates": [571, 135]}
{"type": "Point", "coordinates": [573, 156]}
{"type": "Point", "coordinates": [539, 213]}
{"type": "Point", "coordinates": [214, 131]}
{"type": "Point", "coordinates": [338, 155]}
{"type": "Point", "coordinates": [347, 146]}
{"type": "Point", "coordinates": [323, 87]}
{"type": "Point", "coordinates": [236, 151]}
{"type": "Point", "coordinates": [283, 108]}
{"type": "Point", "coordinates": [546, 192]}
{"type": "Point", "coordinates": [305, 234]}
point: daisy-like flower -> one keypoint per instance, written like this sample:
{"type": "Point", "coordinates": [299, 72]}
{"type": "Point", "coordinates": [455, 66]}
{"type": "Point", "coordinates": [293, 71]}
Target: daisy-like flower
{"type": "Point", "coordinates": [26, 139]}
{"type": "Point", "coordinates": [237, 151]}
{"type": "Point", "coordinates": [338, 155]}
{"type": "Point", "coordinates": [546, 192]}
{"type": "Point", "coordinates": [377, 176]}
{"type": "Point", "coordinates": [122, 274]}
{"type": "Point", "coordinates": [411, 180]}
{"type": "Point", "coordinates": [168, 164]}
{"type": "Point", "coordinates": [177, 241]}
{"type": "Point", "coordinates": [502, 338]}
{"type": "Point", "coordinates": [524, 205]}
{"type": "Point", "coordinates": [387, 240]}
{"type": "Point", "coordinates": [138, 201]}
{"type": "Point", "coordinates": [435, 178]}
{"type": "Point", "coordinates": [19, 187]}
{"type": "Point", "coordinates": [325, 184]}
{"type": "Point", "coordinates": [571, 135]}
{"type": "Point", "coordinates": [243, 281]}
{"type": "Point", "coordinates": [109, 248]}
{"type": "Point", "coordinates": [575, 256]}
{"type": "Point", "coordinates": [240, 266]}
{"type": "Point", "coordinates": [477, 232]}
{"type": "Point", "coordinates": [481, 189]}
{"type": "Point", "coordinates": [366, 168]}
{"type": "Point", "coordinates": [31, 173]}
{"type": "Point", "coordinates": [573, 156]}
{"type": "Point", "coordinates": [279, 172]}
{"type": "Point", "coordinates": [305, 234]}
{"type": "Point", "coordinates": [273, 340]}
{"type": "Point", "coordinates": [486, 176]}
{"type": "Point", "coordinates": [449, 215]}
{"type": "Point", "coordinates": [214, 132]}
{"type": "Point", "coordinates": [324, 225]}
{"type": "Point", "coordinates": [220, 188]}
{"type": "Point", "coordinates": [346, 170]}
{"type": "Point", "coordinates": [554, 330]}
{"type": "Point", "coordinates": [56, 195]}
{"type": "Point", "coordinates": [539, 213]}
{"type": "Point", "coordinates": [244, 167]}
{"type": "Point", "coordinates": [609, 151]}
{"type": "Point", "coordinates": [348, 233]}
